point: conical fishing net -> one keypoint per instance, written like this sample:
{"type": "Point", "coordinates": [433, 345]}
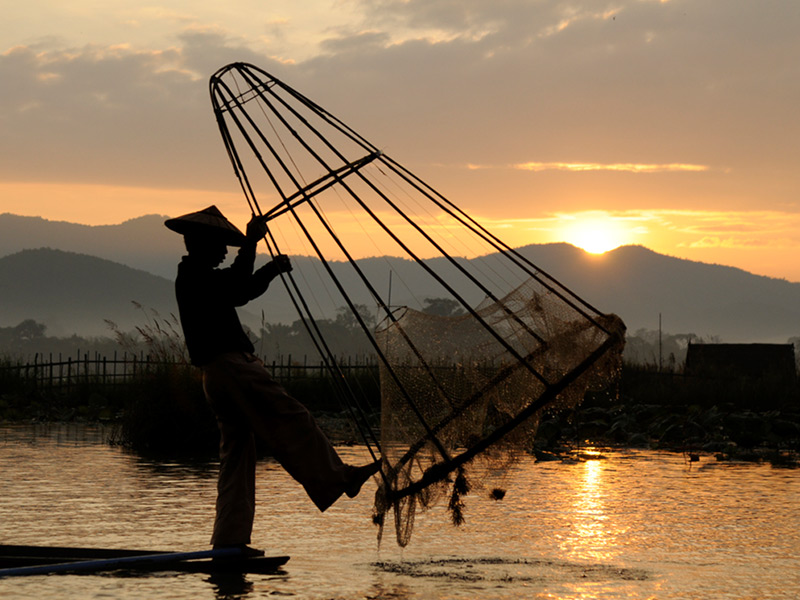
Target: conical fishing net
{"type": "Point", "coordinates": [460, 395]}
{"type": "Point", "coordinates": [474, 406]}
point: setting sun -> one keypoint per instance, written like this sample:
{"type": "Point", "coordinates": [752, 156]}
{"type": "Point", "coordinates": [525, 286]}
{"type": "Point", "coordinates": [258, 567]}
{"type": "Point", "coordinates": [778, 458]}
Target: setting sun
{"type": "Point", "coordinates": [595, 234]}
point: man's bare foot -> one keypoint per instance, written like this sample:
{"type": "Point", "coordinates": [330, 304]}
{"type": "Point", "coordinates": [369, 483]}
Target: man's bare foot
{"type": "Point", "coordinates": [359, 476]}
{"type": "Point", "coordinates": [246, 551]}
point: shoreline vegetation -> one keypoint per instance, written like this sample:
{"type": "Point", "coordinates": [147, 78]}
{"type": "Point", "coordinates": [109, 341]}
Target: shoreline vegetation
{"type": "Point", "coordinates": [161, 411]}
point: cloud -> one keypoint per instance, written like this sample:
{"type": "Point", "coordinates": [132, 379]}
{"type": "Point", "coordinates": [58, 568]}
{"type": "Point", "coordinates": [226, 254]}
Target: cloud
{"type": "Point", "coordinates": [733, 229]}
{"type": "Point", "coordinates": [618, 167]}
{"type": "Point", "coordinates": [597, 84]}
{"type": "Point", "coordinates": [363, 41]}
{"type": "Point", "coordinates": [509, 20]}
{"type": "Point", "coordinates": [730, 242]}
{"type": "Point", "coordinates": [724, 229]}
{"type": "Point", "coordinates": [633, 86]}
{"type": "Point", "coordinates": [626, 167]}
{"type": "Point", "coordinates": [114, 114]}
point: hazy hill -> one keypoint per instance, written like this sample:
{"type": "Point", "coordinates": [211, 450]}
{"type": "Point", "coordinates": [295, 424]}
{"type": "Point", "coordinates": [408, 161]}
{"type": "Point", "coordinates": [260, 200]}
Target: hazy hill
{"type": "Point", "coordinates": [692, 297]}
{"type": "Point", "coordinates": [143, 243]}
{"type": "Point", "coordinates": [74, 293]}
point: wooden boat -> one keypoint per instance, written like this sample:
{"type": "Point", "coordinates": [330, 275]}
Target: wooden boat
{"type": "Point", "coordinates": [16, 561]}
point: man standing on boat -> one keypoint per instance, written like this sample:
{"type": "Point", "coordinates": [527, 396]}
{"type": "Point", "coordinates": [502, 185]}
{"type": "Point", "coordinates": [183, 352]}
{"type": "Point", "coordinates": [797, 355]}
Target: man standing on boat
{"type": "Point", "coordinates": [245, 399]}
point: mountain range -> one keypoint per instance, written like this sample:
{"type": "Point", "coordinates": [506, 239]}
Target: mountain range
{"type": "Point", "coordinates": [73, 277]}
{"type": "Point", "coordinates": [142, 243]}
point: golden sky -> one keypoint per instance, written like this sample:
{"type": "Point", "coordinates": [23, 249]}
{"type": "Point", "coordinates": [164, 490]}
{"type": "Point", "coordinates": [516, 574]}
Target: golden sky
{"type": "Point", "coordinates": [671, 124]}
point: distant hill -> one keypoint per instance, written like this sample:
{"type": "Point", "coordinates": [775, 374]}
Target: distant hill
{"type": "Point", "coordinates": [142, 243]}
{"type": "Point", "coordinates": [73, 292]}
{"type": "Point", "coordinates": [692, 297]}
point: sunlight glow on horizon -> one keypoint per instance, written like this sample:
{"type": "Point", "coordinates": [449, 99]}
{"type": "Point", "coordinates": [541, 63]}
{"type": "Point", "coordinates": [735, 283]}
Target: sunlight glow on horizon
{"type": "Point", "coordinates": [595, 232]}
{"type": "Point", "coordinates": [763, 242]}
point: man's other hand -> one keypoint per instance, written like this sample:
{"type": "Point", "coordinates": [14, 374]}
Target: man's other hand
{"type": "Point", "coordinates": [256, 228]}
{"type": "Point", "coordinates": [282, 263]}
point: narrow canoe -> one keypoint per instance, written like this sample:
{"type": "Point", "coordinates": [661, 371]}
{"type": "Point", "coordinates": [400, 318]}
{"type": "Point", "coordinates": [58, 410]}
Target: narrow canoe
{"type": "Point", "coordinates": [37, 560]}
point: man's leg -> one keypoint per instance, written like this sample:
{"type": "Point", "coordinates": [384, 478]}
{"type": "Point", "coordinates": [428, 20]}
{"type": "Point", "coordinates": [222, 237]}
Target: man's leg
{"type": "Point", "coordinates": [292, 435]}
{"type": "Point", "coordinates": [236, 499]}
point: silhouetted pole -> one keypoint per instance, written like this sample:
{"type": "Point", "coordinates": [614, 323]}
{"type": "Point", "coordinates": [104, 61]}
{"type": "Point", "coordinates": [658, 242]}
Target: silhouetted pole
{"type": "Point", "coordinates": [659, 342]}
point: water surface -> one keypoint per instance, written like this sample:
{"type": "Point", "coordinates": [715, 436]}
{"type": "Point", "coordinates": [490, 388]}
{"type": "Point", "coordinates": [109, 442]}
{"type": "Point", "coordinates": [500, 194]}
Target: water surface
{"type": "Point", "coordinates": [636, 524]}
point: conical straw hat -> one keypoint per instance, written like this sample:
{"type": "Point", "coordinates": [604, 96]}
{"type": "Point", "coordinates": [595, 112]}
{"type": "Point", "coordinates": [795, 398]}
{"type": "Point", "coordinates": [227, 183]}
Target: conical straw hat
{"type": "Point", "coordinates": [210, 223]}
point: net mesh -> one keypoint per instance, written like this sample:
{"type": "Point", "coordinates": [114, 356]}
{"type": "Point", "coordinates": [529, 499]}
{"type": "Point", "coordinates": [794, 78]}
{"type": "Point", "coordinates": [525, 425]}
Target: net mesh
{"type": "Point", "coordinates": [450, 384]}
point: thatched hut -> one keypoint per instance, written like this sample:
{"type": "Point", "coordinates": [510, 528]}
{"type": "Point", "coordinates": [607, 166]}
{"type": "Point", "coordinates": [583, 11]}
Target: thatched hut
{"type": "Point", "coordinates": [755, 375]}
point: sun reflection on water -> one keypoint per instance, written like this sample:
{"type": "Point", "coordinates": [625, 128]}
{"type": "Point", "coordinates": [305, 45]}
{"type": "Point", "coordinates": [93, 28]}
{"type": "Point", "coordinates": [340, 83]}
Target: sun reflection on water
{"type": "Point", "coordinates": [594, 532]}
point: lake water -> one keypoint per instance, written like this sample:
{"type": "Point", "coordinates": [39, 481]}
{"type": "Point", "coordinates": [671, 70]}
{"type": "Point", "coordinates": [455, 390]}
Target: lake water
{"type": "Point", "coordinates": [637, 524]}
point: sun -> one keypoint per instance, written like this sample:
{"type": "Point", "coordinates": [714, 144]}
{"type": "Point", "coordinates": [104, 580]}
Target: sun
{"type": "Point", "coordinates": [595, 234]}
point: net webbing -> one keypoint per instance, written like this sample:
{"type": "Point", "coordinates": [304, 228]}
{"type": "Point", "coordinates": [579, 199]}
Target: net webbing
{"type": "Point", "coordinates": [467, 385]}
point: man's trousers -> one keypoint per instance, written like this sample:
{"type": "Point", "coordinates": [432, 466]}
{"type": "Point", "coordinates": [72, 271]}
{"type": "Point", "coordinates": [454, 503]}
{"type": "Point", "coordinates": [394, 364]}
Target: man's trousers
{"type": "Point", "coordinates": [248, 402]}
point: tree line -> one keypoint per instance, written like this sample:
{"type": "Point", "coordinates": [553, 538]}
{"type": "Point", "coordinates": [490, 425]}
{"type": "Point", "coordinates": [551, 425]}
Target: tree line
{"type": "Point", "coordinates": [276, 341]}
{"type": "Point", "coordinates": [161, 336]}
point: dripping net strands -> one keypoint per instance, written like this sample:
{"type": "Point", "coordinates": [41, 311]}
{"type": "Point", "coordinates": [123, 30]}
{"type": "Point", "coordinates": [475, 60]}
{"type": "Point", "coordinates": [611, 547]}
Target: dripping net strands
{"type": "Point", "coordinates": [461, 394]}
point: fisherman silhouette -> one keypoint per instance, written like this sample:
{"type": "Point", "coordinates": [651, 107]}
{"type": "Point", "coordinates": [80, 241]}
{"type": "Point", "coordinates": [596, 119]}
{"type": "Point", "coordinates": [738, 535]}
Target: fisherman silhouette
{"type": "Point", "coordinates": [245, 399]}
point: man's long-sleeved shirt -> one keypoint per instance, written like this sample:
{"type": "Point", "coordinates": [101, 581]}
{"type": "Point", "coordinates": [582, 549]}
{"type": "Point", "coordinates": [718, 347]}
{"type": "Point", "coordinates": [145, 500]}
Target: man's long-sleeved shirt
{"type": "Point", "coordinates": [207, 301]}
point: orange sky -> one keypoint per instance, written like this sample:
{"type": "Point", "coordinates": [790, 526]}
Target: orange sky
{"type": "Point", "coordinates": [670, 124]}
